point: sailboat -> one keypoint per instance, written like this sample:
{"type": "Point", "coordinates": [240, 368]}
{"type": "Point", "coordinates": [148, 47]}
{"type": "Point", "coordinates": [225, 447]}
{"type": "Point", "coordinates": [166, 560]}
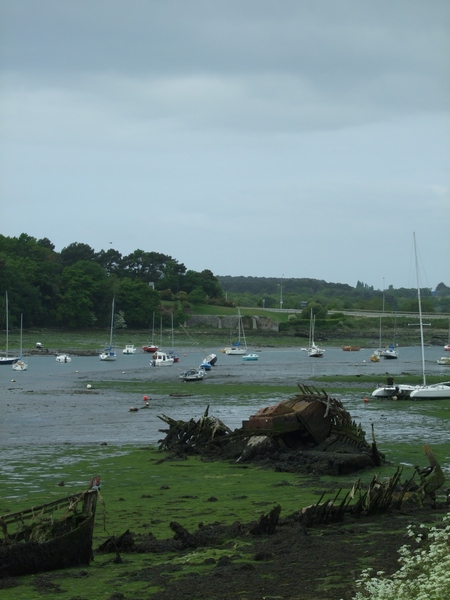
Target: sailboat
{"type": "Point", "coordinates": [375, 357]}
{"type": "Point", "coordinates": [172, 350]}
{"type": "Point", "coordinates": [436, 391]}
{"type": "Point", "coordinates": [313, 350]}
{"type": "Point", "coordinates": [390, 352]}
{"type": "Point", "coordinates": [237, 348]}
{"type": "Point", "coordinates": [447, 345]}
{"type": "Point", "coordinates": [20, 365]}
{"type": "Point", "coordinates": [151, 347]}
{"type": "Point", "coordinates": [7, 360]}
{"type": "Point", "coordinates": [109, 353]}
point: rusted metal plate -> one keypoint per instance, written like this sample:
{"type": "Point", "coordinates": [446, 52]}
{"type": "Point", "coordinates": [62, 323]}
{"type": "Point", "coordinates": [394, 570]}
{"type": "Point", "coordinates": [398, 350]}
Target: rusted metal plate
{"type": "Point", "coordinates": [306, 417]}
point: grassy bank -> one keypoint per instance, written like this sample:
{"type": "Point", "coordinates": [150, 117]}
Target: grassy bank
{"type": "Point", "coordinates": [143, 492]}
{"type": "Point", "coordinates": [336, 331]}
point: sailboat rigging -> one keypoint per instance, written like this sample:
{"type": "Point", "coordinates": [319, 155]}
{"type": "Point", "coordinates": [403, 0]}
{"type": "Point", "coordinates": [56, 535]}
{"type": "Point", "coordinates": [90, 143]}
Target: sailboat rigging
{"type": "Point", "coordinates": [237, 348]}
{"type": "Point", "coordinates": [20, 365]}
{"type": "Point", "coordinates": [109, 353]}
{"type": "Point", "coordinates": [151, 347]}
{"type": "Point", "coordinates": [7, 360]}
{"type": "Point", "coordinates": [313, 350]}
{"type": "Point", "coordinates": [447, 345]}
{"type": "Point", "coordinates": [437, 391]}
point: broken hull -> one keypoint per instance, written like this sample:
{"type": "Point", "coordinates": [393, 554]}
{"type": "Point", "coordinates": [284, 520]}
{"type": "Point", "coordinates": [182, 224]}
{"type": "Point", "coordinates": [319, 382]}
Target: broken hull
{"type": "Point", "coordinates": [308, 418]}
{"type": "Point", "coordinates": [71, 545]}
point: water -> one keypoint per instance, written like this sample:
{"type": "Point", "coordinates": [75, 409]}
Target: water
{"type": "Point", "coordinates": [49, 405]}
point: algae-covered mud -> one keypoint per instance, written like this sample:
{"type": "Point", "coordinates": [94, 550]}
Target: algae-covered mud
{"type": "Point", "coordinates": [63, 423]}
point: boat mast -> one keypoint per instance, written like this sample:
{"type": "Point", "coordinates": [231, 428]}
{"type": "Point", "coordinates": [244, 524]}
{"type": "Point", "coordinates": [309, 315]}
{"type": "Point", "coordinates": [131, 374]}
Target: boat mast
{"type": "Point", "coordinates": [420, 311]}
{"type": "Point", "coordinates": [112, 324]}
{"type": "Point", "coordinates": [7, 324]}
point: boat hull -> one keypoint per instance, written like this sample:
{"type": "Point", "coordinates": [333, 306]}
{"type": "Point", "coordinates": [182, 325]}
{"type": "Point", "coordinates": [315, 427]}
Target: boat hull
{"type": "Point", "coordinates": [444, 360]}
{"type": "Point", "coordinates": [8, 360]}
{"type": "Point", "coordinates": [236, 351]}
{"type": "Point", "coordinates": [72, 547]}
{"type": "Point", "coordinates": [437, 391]}
{"type": "Point", "coordinates": [63, 358]}
{"type": "Point", "coordinates": [193, 375]}
{"type": "Point", "coordinates": [309, 418]}
{"type": "Point", "coordinates": [20, 365]}
{"type": "Point", "coordinates": [161, 359]}
{"type": "Point", "coordinates": [150, 348]}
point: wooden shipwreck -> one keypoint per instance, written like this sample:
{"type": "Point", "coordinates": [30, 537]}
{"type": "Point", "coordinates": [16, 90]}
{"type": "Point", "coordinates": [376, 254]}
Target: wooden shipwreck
{"type": "Point", "coordinates": [307, 418]}
{"type": "Point", "coordinates": [56, 535]}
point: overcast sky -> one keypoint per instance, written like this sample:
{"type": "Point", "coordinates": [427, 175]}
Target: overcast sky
{"type": "Point", "coordinates": [273, 138]}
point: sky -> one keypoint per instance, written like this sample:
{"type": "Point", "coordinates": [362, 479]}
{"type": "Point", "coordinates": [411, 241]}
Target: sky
{"type": "Point", "coordinates": [265, 138]}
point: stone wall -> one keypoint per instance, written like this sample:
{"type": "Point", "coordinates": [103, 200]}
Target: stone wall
{"type": "Point", "coordinates": [231, 322]}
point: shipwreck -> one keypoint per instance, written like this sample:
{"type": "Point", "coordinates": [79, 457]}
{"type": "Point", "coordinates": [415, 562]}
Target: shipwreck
{"type": "Point", "coordinates": [309, 431]}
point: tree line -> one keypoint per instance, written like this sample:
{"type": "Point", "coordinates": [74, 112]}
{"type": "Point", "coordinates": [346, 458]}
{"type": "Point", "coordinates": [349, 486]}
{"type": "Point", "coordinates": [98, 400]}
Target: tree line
{"type": "Point", "coordinates": [300, 293]}
{"type": "Point", "coordinates": [74, 288]}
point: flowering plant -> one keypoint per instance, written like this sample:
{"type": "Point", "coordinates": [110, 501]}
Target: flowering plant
{"type": "Point", "coordinates": [424, 573]}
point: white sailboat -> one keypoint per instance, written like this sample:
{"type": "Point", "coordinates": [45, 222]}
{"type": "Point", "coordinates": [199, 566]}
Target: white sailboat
{"type": "Point", "coordinates": [390, 352]}
{"type": "Point", "coordinates": [436, 391]}
{"type": "Point", "coordinates": [239, 347]}
{"type": "Point", "coordinates": [7, 360]}
{"type": "Point", "coordinates": [313, 350]}
{"type": "Point", "coordinates": [447, 345]}
{"type": "Point", "coordinates": [109, 353]}
{"type": "Point", "coordinates": [20, 365]}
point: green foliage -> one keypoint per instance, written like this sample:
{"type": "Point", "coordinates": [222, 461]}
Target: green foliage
{"type": "Point", "coordinates": [74, 287]}
{"type": "Point", "coordinates": [424, 573]}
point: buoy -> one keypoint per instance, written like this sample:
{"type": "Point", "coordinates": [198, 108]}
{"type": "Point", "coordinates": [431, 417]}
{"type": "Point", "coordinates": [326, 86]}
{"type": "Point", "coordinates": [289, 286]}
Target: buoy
{"type": "Point", "coordinates": [89, 386]}
{"type": "Point", "coordinates": [145, 398]}
{"type": "Point", "coordinates": [366, 399]}
{"type": "Point", "coordinates": [133, 409]}
{"type": "Point", "coordinates": [184, 354]}
{"type": "Point", "coordinates": [13, 380]}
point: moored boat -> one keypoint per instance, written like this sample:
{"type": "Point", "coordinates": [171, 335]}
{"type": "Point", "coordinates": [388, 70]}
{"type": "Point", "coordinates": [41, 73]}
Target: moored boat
{"type": "Point", "coordinates": [20, 365]}
{"type": "Point", "coordinates": [63, 358]}
{"type": "Point", "coordinates": [150, 348]}
{"type": "Point", "coordinates": [392, 390]}
{"type": "Point", "coordinates": [351, 348]}
{"type": "Point", "coordinates": [161, 359]}
{"type": "Point", "coordinates": [7, 360]}
{"type": "Point", "coordinates": [444, 360]}
{"type": "Point", "coordinates": [129, 349]}
{"type": "Point", "coordinates": [434, 391]}
{"type": "Point", "coordinates": [57, 535]}
{"type": "Point", "coordinates": [109, 353]}
{"type": "Point", "coordinates": [239, 347]}
{"type": "Point", "coordinates": [313, 350]}
{"type": "Point", "coordinates": [193, 375]}
{"type": "Point", "coordinates": [250, 357]}
{"type": "Point", "coordinates": [375, 357]}
{"type": "Point", "coordinates": [211, 359]}
{"type": "Point", "coordinates": [389, 353]}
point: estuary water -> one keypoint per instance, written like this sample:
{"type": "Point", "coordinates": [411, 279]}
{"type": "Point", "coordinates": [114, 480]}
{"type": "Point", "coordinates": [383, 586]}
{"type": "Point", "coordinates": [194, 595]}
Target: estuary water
{"type": "Point", "coordinates": [50, 406]}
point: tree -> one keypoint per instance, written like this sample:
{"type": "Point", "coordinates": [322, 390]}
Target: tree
{"type": "Point", "coordinates": [197, 296]}
{"type": "Point", "coordinates": [138, 301]}
{"type": "Point", "coordinates": [85, 290]}
{"type": "Point", "coordinates": [76, 252]}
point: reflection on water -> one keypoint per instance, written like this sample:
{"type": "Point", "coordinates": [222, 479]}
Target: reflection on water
{"type": "Point", "coordinates": [48, 404]}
